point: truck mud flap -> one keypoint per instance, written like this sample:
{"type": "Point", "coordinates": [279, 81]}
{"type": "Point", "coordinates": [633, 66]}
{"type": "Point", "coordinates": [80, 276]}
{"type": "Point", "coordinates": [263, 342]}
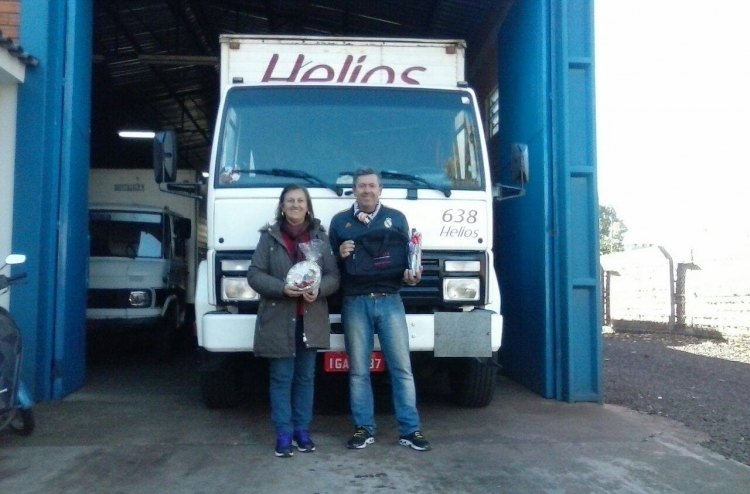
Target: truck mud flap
{"type": "Point", "coordinates": [463, 334]}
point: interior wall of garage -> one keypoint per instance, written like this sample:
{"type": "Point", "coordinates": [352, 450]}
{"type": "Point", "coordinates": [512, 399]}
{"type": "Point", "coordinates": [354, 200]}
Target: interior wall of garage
{"type": "Point", "coordinates": [12, 73]}
{"type": "Point", "coordinates": [50, 218]}
{"type": "Point", "coordinates": [546, 241]}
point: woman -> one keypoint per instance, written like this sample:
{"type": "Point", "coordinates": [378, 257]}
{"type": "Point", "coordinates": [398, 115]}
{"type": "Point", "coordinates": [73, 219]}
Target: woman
{"type": "Point", "coordinates": [292, 324]}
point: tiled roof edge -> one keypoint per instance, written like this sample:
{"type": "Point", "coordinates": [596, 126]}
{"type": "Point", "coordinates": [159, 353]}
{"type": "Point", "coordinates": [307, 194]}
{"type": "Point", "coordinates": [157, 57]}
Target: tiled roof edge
{"type": "Point", "coordinates": [17, 51]}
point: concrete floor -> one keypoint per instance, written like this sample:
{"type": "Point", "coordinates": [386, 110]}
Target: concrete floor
{"type": "Point", "coordinates": [141, 427]}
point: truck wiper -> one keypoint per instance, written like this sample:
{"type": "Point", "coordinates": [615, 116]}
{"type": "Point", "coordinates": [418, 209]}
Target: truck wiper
{"type": "Point", "coordinates": [416, 180]}
{"type": "Point", "coordinates": [285, 172]}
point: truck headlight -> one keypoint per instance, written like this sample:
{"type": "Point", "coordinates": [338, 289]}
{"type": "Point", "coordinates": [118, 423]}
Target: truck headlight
{"type": "Point", "coordinates": [461, 289]}
{"type": "Point", "coordinates": [236, 289]}
{"type": "Point", "coordinates": [140, 298]}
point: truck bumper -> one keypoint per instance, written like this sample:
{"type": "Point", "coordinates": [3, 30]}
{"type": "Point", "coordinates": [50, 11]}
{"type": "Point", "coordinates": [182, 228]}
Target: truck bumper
{"type": "Point", "coordinates": [225, 332]}
{"type": "Point", "coordinates": [123, 320]}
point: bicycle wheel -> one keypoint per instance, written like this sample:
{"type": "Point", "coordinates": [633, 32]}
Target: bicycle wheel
{"type": "Point", "coordinates": [23, 423]}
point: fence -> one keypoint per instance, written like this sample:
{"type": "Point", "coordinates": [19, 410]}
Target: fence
{"type": "Point", "coordinates": [646, 289]}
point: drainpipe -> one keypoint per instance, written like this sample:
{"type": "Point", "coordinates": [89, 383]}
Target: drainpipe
{"type": "Point", "coordinates": [607, 295]}
{"type": "Point", "coordinates": [671, 289]}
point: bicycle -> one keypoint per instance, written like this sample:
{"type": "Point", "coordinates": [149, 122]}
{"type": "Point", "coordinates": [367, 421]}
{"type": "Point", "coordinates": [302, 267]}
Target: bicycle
{"type": "Point", "coordinates": [15, 401]}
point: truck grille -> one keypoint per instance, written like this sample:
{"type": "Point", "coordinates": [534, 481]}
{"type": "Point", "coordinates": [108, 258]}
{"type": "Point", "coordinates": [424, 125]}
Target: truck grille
{"type": "Point", "coordinates": [427, 296]}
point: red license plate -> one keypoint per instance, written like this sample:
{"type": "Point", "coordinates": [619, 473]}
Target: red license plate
{"type": "Point", "coordinates": [339, 362]}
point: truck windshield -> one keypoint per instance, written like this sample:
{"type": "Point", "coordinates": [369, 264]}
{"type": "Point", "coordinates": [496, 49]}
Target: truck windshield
{"type": "Point", "coordinates": [328, 132]}
{"type": "Point", "coordinates": [125, 234]}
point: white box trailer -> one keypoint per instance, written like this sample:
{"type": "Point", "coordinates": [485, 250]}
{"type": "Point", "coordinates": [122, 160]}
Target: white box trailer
{"type": "Point", "coordinates": [311, 110]}
{"type": "Point", "coordinates": [143, 256]}
{"type": "Point", "coordinates": [260, 60]}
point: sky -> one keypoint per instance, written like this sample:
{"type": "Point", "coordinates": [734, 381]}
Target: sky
{"type": "Point", "coordinates": [673, 118]}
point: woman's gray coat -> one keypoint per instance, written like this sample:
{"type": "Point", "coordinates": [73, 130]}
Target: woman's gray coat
{"type": "Point", "coordinates": [277, 314]}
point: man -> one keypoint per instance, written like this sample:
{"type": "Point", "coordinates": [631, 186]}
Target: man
{"type": "Point", "coordinates": [372, 305]}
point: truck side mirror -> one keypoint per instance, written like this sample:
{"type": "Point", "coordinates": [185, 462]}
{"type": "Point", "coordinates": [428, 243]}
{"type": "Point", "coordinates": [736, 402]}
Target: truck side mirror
{"type": "Point", "coordinates": [519, 174]}
{"type": "Point", "coordinates": [15, 259]}
{"type": "Point", "coordinates": [183, 227]}
{"type": "Point", "coordinates": [519, 163]}
{"type": "Point", "coordinates": [165, 156]}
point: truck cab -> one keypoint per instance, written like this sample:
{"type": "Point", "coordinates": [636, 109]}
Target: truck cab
{"type": "Point", "coordinates": [141, 260]}
{"type": "Point", "coordinates": [311, 110]}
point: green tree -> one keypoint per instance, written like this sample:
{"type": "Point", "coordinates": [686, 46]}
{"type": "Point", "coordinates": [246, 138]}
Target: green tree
{"type": "Point", "coordinates": [611, 230]}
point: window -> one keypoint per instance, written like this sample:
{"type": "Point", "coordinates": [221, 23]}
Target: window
{"type": "Point", "coordinates": [126, 234]}
{"type": "Point", "coordinates": [331, 131]}
{"type": "Point", "coordinates": [492, 113]}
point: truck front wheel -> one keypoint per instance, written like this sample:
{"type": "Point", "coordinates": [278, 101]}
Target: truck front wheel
{"type": "Point", "coordinates": [472, 382]}
{"type": "Point", "coordinates": [221, 386]}
{"type": "Point", "coordinates": [165, 335]}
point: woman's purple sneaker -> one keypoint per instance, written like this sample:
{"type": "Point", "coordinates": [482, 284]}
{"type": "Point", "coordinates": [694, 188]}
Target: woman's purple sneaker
{"type": "Point", "coordinates": [303, 441]}
{"type": "Point", "coordinates": [284, 445]}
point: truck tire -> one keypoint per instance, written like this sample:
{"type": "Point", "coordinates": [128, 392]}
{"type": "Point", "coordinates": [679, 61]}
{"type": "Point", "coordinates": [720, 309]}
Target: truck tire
{"type": "Point", "coordinates": [221, 387]}
{"type": "Point", "coordinates": [472, 382]}
{"type": "Point", "coordinates": [165, 336]}
{"type": "Point", "coordinates": [23, 423]}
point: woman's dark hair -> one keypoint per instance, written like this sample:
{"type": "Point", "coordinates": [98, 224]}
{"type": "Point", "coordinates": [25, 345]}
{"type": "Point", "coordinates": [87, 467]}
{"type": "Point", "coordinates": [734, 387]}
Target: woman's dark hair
{"type": "Point", "coordinates": [280, 205]}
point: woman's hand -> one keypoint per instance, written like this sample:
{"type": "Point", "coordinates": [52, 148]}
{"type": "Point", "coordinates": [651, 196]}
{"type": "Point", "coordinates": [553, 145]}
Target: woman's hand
{"type": "Point", "coordinates": [310, 296]}
{"type": "Point", "coordinates": [291, 291]}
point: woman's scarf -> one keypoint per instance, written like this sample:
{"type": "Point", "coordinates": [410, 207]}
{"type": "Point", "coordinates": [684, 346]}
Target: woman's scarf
{"type": "Point", "coordinates": [299, 234]}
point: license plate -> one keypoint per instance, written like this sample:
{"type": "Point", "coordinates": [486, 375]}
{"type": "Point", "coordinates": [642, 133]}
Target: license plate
{"type": "Point", "coordinates": [339, 362]}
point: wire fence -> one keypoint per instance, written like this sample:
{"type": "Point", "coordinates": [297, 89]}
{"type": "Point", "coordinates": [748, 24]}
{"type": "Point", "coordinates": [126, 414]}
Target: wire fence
{"type": "Point", "coordinates": [646, 288]}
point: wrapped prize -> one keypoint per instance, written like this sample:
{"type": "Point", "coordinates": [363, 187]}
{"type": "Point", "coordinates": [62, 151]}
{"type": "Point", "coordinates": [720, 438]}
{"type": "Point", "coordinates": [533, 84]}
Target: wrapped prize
{"type": "Point", "coordinates": [415, 252]}
{"type": "Point", "coordinates": [306, 275]}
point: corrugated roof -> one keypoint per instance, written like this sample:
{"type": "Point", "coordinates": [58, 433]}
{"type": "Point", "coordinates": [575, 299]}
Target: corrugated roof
{"type": "Point", "coordinates": [155, 61]}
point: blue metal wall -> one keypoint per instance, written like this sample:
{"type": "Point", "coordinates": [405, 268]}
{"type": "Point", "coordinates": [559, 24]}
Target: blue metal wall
{"type": "Point", "coordinates": [50, 210]}
{"type": "Point", "coordinates": [548, 240]}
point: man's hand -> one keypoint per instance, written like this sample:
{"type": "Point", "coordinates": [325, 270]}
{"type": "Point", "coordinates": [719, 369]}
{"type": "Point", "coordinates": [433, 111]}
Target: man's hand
{"type": "Point", "coordinates": [413, 280]}
{"type": "Point", "coordinates": [346, 248]}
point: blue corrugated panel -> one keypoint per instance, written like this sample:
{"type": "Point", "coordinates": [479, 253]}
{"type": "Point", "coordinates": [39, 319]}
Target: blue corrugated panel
{"type": "Point", "coordinates": [50, 224]}
{"type": "Point", "coordinates": [548, 239]}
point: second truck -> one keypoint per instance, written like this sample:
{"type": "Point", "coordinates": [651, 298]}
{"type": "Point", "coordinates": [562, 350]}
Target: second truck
{"type": "Point", "coordinates": [143, 258]}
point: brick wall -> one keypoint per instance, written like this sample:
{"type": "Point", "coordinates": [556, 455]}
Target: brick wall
{"type": "Point", "coordinates": [10, 19]}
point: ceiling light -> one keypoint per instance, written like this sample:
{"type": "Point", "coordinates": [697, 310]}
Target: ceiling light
{"type": "Point", "coordinates": [137, 134]}
{"type": "Point", "coordinates": [205, 174]}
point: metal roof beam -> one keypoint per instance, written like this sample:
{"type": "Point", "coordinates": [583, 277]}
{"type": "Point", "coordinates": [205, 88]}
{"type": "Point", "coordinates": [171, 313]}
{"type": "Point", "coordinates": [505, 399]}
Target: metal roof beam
{"type": "Point", "coordinates": [137, 47]}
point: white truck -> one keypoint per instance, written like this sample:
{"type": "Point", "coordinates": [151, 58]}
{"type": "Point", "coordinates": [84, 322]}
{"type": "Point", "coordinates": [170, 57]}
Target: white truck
{"type": "Point", "coordinates": [143, 257]}
{"type": "Point", "coordinates": [311, 110]}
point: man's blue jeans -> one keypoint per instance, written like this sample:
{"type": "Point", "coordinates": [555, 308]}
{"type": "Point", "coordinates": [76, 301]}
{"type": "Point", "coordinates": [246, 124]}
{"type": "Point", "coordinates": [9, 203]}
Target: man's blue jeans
{"type": "Point", "coordinates": [363, 316]}
{"type": "Point", "coordinates": [292, 388]}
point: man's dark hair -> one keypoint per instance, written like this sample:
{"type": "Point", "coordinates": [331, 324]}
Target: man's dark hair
{"type": "Point", "coordinates": [360, 172]}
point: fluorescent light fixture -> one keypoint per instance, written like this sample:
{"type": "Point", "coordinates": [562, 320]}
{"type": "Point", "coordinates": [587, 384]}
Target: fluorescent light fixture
{"type": "Point", "coordinates": [137, 134]}
{"type": "Point", "coordinates": [205, 174]}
